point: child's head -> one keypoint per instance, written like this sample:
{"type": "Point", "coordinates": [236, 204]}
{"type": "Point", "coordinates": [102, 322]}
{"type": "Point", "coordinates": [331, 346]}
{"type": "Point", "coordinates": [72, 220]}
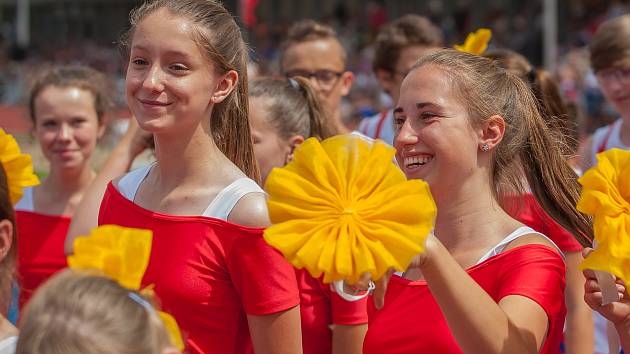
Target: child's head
{"type": "Point", "coordinates": [67, 106]}
{"type": "Point", "coordinates": [283, 113]}
{"type": "Point", "coordinates": [553, 107]}
{"type": "Point", "coordinates": [8, 243]}
{"type": "Point", "coordinates": [399, 45]}
{"type": "Point", "coordinates": [188, 65]}
{"type": "Point", "coordinates": [312, 50]}
{"type": "Point", "coordinates": [610, 60]}
{"type": "Point", "coordinates": [75, 312]}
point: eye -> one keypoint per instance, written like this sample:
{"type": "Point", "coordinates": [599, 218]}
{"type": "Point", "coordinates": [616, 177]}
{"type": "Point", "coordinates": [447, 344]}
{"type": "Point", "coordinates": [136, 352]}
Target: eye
{"type": "Point", "coordinates": [139, 62]}
{"type": "Point", "coordinates": [428, 115]}
{"type": "Point", "coordinates": [399, 121]}
{"type": "Point", "coordinates": [76, 122]}
{"type": "Point", "coordinates": [49, 124]}
{"type": "Point", "coordinates": [179, 67]}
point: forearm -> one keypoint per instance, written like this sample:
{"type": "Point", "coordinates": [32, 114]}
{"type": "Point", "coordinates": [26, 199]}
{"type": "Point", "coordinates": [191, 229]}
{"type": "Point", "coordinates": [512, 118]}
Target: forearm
{"type": "Point", "coordinates": [579, 322]}
{"type": "Point", "coordinates": [623, 330]}
{"type": "Point", "coordinates": [477, 322]}
{"type": "Point", "coordinates": [348, 339]}
{"type": "Point", "coordinates": [86, 214]}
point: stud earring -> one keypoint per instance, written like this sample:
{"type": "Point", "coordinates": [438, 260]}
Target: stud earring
{"type": "Point", "coordinates": [485, 147]}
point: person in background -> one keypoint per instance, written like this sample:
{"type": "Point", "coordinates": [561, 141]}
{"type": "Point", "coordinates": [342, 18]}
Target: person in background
{"type": "Point", "coordinates": [67, 107]}
{"type": "Point", "coordinates": [578, 336]}
{"type": "Point", "coordinates": [8, 255]}
{"type": "Point", "coordinates": [313, 51]}
{"type": "Point", "coordinates": [398, 46]}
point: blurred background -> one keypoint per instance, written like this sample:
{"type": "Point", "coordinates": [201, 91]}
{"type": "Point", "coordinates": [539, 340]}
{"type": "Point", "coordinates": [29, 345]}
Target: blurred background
{"type": "Point", "coordinates": [550, 33]}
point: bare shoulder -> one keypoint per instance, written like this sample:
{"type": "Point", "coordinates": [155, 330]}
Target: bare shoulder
{"type": "Point", "coordinates": [531, 239]}
{"type": "Point", "coordinates": [251, 210]}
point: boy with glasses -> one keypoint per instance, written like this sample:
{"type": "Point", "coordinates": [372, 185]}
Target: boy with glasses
{"type": "Point", "coordinates": [312, 50]}
{"type": "Point", "coordinates": [398, 46]}
{"type": "Point", "coordinates": [610, 60]}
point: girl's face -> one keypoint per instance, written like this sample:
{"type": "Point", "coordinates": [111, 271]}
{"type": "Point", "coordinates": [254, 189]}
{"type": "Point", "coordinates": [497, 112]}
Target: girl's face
{"type": "Point", "coordinates": [270, 149]}
{"type": "Point", "coordinates": [66, 125]}
{"type": "Point", "coordinates": [170, 82]}
{"type": "Point", "coordinates": [435, 140]}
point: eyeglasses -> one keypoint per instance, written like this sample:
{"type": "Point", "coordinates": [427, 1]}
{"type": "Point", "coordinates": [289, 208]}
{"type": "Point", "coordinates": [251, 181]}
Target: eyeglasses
{"type": "Point", "coordinates": [326, 79]}
{"type": "Point", "coordinates": [621, 75]}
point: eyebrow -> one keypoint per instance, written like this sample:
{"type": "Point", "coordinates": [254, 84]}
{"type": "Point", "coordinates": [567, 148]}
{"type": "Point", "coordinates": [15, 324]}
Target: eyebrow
{"type": "Point", "coordinates": [398, 110]}
{"type": "Point", "coordinates": [421, 105]}
{"type": "Point", "coordinates": [170, 52]}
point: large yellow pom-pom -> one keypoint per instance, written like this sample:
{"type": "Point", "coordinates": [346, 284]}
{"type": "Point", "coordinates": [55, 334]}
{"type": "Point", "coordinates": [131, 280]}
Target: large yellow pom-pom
{"type": "Point", "coordinates": [476, 42]}
{"type": "Point", "coordinates": [342, 208]}
{"type": "Point", "coordinates": [606, 196]}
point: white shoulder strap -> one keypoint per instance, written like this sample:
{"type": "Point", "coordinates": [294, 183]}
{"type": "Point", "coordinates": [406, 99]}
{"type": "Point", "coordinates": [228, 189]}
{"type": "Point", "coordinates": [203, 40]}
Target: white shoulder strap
{"type": "Point", "coordinates": [26, 203]}
{"type": "Point", "coordinates": [128, 185]}
{"type": "Point", "coordinates": [521, 231]}
{"type": "Point", "coordinates": [222, 205]}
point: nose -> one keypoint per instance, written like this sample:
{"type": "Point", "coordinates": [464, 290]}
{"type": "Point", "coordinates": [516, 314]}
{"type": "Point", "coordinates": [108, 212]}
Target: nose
{"type": "Point", "coordinates": [406, 137]}
{"type": "Point", "coordinates": [153, 80]}
{"type": "Point", "coordinates": [65, 132]}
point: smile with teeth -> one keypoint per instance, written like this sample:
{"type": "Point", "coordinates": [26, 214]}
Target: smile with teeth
{"type": "Point", "coordinates": [414, 161]}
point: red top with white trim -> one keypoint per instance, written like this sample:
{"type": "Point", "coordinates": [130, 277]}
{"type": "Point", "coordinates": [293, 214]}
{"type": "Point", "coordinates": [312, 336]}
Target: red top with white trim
{"type": "Point", "coordinates": [208, 273]}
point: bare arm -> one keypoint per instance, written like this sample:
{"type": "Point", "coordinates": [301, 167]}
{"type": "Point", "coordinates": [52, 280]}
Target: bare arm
{"type": "Point", "coordinates": [118, 163]}
{"type": "Point", "coordinates": [278, 333]}
{"type": "Point", "coordinates": [348, 339]}
{"type": "Point", "coordinates": [579, 323]}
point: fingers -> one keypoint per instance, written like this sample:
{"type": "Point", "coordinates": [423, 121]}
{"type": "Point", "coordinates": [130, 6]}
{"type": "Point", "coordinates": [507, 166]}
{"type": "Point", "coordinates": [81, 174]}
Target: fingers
{"type": "Point", "coordinates": [586, 251]}
{"type": "Point", "coordinates": [381, 289]}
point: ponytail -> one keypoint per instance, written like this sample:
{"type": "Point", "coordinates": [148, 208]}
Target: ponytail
{"type": "Point", "coordinates": [320, 127]}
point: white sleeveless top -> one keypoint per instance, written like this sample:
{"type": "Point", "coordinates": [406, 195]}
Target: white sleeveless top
{"type": "Point", "coordinates": [26, 203]}
{"type": "Point", "coordinates": [219, 208]}
{"type": "Point", "coordinates": [606, 138]}
{"type": "Point", "coordinates": [7, 345]}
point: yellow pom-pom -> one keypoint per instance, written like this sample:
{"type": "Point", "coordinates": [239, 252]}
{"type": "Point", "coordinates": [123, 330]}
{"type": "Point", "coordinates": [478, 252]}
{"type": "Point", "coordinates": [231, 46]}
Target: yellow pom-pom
{"type": "Point", "coordinates": [120, 253]}
{"type": "Point", "coordinates": [17, 166]}
{"type": "Point", "coordinates": [476, 42]}
{"type": "Point", "coordinates": [606, 196]}
{"type": "Point", "coordinates": [342, 208]}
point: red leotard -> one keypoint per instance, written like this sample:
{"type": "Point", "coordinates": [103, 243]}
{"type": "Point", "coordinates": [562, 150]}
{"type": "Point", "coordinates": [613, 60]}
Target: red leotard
{"type": "Point", "coordinates": [319, 308]}
{"type": "Point", "coordinates": [208, 273]}
{"type": "Point", "coordinates": [411, 320]}
{"type": "Point", "coordinates": [532, 214]}
{"type": "Point", "coordinates": [40, 249]}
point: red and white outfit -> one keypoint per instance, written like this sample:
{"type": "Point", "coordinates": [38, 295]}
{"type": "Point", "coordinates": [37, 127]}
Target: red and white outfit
{"type": "Point", "coordinates": [40, 247]}
{"type": "Point", "coordinates": [411, 320]}
{"type": "Point", "coordinates": [380, 126]}
{"type": "Point", "coordinates": [207, 272]}
{"type": "Point", "coordinates": [321, 307]}
{"type": "Point", "coordinates": [606, 138]}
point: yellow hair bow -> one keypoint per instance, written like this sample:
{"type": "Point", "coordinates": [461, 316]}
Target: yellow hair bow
{"type": "Point", "coordinates": [343, 208]}
{"type": "Point", "coordinates": [122, 254]}
{"type": "Point", "coordinates": [476, 42]}
{"type": "Point", "coordinates": [17, 166]}
{"type": "Point", "coordinates": [606, 196]}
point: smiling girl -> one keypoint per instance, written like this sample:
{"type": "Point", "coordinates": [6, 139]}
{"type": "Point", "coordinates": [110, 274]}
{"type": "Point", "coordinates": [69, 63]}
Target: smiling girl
{"type": "Point", "coordinates": [67, 106]}
{"type": "Point", "coordinates": [187, 84]}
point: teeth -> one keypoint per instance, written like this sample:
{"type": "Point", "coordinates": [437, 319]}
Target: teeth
{"type": "Point", "coordinates": [417, 160]}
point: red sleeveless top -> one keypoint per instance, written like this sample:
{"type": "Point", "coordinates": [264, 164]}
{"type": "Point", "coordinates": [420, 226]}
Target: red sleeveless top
{"type": "Point", "coordinates": [319, 308]}
{"type": "Point", "coordinates": [411, 320]}
{"type": "Point", "coordinates": [40, 249]}
{"type": "Point", "coordinates": [208, 273]}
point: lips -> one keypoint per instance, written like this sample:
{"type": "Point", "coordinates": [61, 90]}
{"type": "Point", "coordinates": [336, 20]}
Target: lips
{"type": "Point", "coordinates": [153, 103]}
{"type": "Point", "coordinates": [411, 162]}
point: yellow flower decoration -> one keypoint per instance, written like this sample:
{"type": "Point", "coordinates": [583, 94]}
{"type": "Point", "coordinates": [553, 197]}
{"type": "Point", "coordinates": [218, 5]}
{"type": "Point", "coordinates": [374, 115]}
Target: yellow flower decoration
{"type": "Point", "coordinates": [606, 196]}
{"type": "Point", "coordinates": [476, 42]}
{"type": "Point", "coordinates": [343, 208]}
{"type": "Point", "coordinates": [17, 166]}
{"type": "Point", "coordinates": [123, 254]}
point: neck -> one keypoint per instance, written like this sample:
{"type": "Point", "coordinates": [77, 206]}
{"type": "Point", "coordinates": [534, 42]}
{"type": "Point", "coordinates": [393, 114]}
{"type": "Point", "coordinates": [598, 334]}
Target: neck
{"type": "Point", "coordinates": [186, 159]}
{"type": "Point", "coordinates": [469, 218]}
{"type": "Point", "coordinates": [339, 125]}
{"type": "Point", "coordinates": [6, 328]}
{"type": "Point", "coordinates": [66, 182]}
{"type": "Point", "coordinates": [624, 134]}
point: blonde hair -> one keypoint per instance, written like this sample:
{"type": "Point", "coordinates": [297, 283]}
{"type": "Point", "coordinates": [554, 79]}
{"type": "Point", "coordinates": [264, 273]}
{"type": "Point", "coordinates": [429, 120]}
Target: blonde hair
{"type": "Point", "coordinates": [79, 313]}
{"type": "Point", "coordinates": [487, 89]}
{"type": "Point", "coordinates": [610, 46]}
{"type": "Point", "coordinates": [219, 37]}
{"type": "Point", "coordinates": [293, 107]}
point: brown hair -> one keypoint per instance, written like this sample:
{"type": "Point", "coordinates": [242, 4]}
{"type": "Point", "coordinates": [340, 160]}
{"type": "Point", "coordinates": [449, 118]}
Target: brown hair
{"type": "Point", "coordinates": [610, 46]}
{"type": "Point", "coordinates": [407, 31]}
{"type": "Point", "coordinates": [219, 37]}
{"type": "Point", "coordinates": [7, 265]}
{"type": "Point", "coordinates": [80, 77]}
{"type": "Point", "coordinates": [310, 30]}
{"type": "Point", "coordinates": [561, 121]}
{"type": "Point", "coordinates": [79, 313]}
{"type": "Point", "coordinates": [527, 145]}
{"type": "Point", "coordinates": [293, 107]}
